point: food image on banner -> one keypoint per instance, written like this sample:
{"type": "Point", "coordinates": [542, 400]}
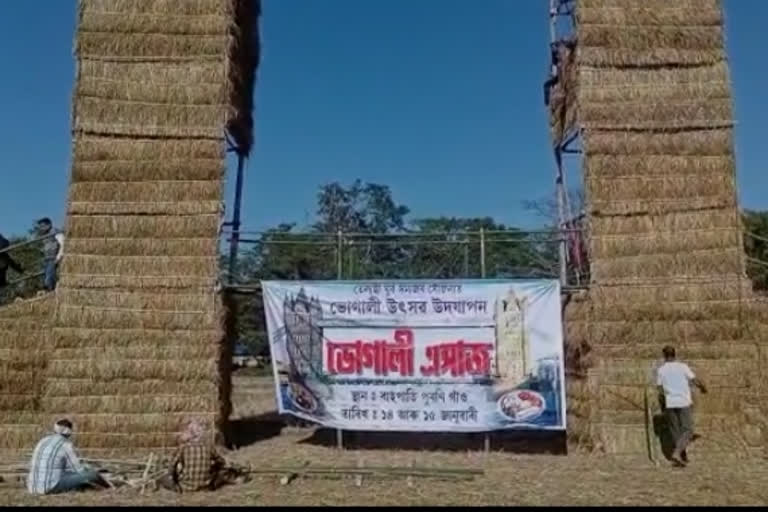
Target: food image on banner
{"type": "Point", "coordinates": [418, 355]}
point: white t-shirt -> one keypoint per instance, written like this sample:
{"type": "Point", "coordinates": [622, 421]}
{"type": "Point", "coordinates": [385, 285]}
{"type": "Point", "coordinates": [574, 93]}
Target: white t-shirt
{"type": "Point", "coordinates": [674, 377]}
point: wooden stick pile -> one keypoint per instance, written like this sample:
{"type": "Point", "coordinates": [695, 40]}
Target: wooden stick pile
{"type": "Point", "coordinates": [143, 475]}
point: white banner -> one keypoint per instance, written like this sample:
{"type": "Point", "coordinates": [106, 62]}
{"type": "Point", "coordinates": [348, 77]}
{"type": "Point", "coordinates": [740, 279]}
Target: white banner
{"type": "Point", "coordinates": [418, 356]}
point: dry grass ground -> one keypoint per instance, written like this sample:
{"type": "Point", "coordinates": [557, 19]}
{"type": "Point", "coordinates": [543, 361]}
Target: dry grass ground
{"type": "Point", "coordinates": [510, 479]}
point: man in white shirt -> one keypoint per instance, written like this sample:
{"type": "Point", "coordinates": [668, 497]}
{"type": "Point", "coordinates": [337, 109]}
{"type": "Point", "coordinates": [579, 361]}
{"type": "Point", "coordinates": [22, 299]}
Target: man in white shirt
{"type": "Point", "coordinates": [55, 467]}
{"type": "Point", "coordinates": [673, 379]}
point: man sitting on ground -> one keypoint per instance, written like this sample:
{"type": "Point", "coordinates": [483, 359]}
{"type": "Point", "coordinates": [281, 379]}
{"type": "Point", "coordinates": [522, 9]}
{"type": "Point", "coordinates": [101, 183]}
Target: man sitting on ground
{"type": "Point", "coordinates": [196, 466]}
{"type": "Point", "coordinates": [55, 467]}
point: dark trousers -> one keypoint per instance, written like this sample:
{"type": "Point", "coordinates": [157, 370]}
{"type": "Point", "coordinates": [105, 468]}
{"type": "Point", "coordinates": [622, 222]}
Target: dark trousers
{"type": "Point", "coordinates": [49, 275]}
{"type": "Point", "coordinates": [219, 478]}
{"type": "Point", "coordinates": [73, 481]}
{"type": "Point", "coordinates": [680, 422]}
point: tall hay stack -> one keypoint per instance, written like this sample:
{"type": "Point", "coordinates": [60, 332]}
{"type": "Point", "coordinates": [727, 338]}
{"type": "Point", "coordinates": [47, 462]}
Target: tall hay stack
{"type": "Point", "coordinates": [648, 85]}
{"type": "Point", "coordinates": [137, 338]}
{"type": "Point", "coordinates": [25, 329]}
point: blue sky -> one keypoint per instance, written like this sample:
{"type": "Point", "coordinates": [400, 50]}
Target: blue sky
{"type": "Point", "coordinates": [440, 99]}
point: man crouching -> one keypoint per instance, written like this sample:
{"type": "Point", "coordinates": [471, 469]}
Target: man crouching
{"type": "Point", "coordinates": [196, 466]}
{"type": "Point", "coordinates": [55, 466]}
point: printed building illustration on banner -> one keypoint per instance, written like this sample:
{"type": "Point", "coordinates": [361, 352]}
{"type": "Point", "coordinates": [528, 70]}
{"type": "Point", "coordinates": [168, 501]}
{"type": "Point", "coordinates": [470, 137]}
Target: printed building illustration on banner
{"type": "Point", "coordinates": [302, 316]}
{"type": "Point", "coordinates": [440, 356]}
{"type": "Point", "coordinates": [513, 359]}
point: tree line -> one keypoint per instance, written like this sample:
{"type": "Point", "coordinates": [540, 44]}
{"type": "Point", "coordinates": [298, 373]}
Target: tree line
{"type": "Point", "coordinates": [379, 240]}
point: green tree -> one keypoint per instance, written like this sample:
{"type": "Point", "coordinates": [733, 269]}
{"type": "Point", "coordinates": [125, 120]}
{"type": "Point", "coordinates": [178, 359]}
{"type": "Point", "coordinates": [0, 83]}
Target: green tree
{"type": "Point", "coordinates": [28, 283]}
{"type": "Point", "coordinates": [378, 242]}
{"type": "Point", "coordinates": [358, 208]}
{"type": "Point", "coordinates": [499, 252]}
{"type": "Point", "coordinates": [756, 247]}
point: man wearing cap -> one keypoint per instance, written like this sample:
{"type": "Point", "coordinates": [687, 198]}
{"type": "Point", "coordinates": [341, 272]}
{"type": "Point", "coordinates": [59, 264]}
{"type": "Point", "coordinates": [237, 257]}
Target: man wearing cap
{"type": "Point", "coordinates": [673, 379]}
{"type": "Point", "coordinates": [55, 467]}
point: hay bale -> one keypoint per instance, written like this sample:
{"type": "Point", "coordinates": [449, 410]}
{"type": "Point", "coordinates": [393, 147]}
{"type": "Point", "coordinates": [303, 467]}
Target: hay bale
{"type": "Point", "coordinates": [136, 300]}
{"type": "Point", "coordinates": [152, 404]}
{"type": "Point", "coordinates": [140, 352]}
{"type": "Point", "coordinates": [671, 222]}
{"type": "Point", "coordinates": [146, 266]}
{"type": "Point", "coordinates": [721, 373]}
{"type": "Point", "coordinates": [160, 8]}
{"type": "Point", "coordinates": [23, 435]}
{"type": "Point", "coordinates": [113, 117]}
{"type": "Point", "coordinates": [668, 311]}
{"type": "Point", "coordinates": [135, 369]}
{"type": "Point", "coordinates": [151, 47]}
{"type": "Point", "coordinates": [146, 81]}
{"type": "Point", "coordinates": [705, 13]}
{"type": "Point", "coordinates": [125, 171]}
{"type": "Point", "coordinates": [168, 422]}
{"type": "Point", "coordinates": [696, 38]}
{"type": "Point", "coordinates": [563, 96]}
{"type": "Point", "coordinates": [24, 349]}
{"type": "Point", "coordinates": [150, 191]}
{"type": "Point", "coordinates": [94, 148]}
{"type": "Point", "coordinates": [628, 402]}
{"type": "Point", "coordinates": [117, 318]}
{"type": "Point", "coordinates": [678, 290]}
{"type": "Point", "coordinates": [662, 331]}
{"type": "Point", "coordinates": [654, 188]}
{"type": "Point", "coordinates": [666, 249]}
{"type": "Point", "coordinates": [660, 167]}
{"type": "Point", "coordinates": [700, 142]}
{"type": "Point", "coordinates": [143, 246]}
{"type": "Point", "coordinates": [62, 388]}
{"type": "Point", "coordinates": [159, 83]}
{"type": "Point", "coordinates": [728, 349]}
{"type": "Point", "coordinates": [151, 23]}
{"type": "Point", "coordinates": [137, 283]}
{"type": "Point", "coordinates": [687, 7]}
{"type": "Point", "coordinates": [623, 57]}
{"type": "Point", "coordinates": [701, 263]}
{"type": "Point", "coordinates": [621, 439]}
{"type": "Point", "coordinates": [140, 226]}
{"type": "Point", "coordinates": [33, 309]}
{"type": "Point", "coordinates": [691, 114]}
{"type": "Point", "coordinates": [619, 246]}
{"type": "Point", "coordinates": [159, 208]}
{"type": "Point", "coordinates": [101, 338]}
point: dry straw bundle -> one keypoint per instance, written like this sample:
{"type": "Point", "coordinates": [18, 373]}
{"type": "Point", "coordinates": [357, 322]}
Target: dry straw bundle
{"type": "Point", "coordinates": [667, 261]}
{"type": "Point", "coordinates": [24, 343]}
{"type": "Point", "coordinates": [135, 339]}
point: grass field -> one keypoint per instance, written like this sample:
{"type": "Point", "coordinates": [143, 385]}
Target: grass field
{"type": "Point", "coordinates": [510, 478]}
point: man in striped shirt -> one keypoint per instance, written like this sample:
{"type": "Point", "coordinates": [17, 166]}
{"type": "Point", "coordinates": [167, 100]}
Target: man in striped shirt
{"type": "Point", "coordinates": [55, 466]}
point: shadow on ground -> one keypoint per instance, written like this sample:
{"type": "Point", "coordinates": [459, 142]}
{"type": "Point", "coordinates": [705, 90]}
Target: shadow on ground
{"type": "Point", "coordinates": [243, 432]}
{"type": "Point", "coordinates": [528, 442]}
{"type": "Point", "coordinates": [663, 435]}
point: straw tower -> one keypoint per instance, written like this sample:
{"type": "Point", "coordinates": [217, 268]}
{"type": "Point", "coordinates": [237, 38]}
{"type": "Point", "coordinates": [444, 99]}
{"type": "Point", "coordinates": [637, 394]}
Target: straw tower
{"type": "Point", "coordinates": [647, 84]}
{"type": "Point", "coordinates": [136, 343]}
